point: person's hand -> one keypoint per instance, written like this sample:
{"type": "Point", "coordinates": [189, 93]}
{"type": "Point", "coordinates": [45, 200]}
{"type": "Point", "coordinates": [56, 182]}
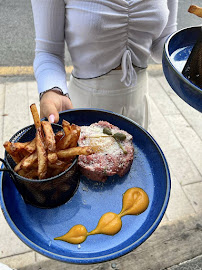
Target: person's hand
{"type": "Point", "coordinates": [52, 103]}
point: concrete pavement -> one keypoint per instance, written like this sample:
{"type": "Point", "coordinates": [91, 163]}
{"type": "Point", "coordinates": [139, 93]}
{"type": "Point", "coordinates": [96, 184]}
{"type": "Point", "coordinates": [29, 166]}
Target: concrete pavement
{"type": "Point", "coordinates": [177, 128]}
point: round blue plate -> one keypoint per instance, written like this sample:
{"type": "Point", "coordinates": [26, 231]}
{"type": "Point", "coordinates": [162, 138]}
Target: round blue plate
{"type": "Point", "coordinates": [38, 227]}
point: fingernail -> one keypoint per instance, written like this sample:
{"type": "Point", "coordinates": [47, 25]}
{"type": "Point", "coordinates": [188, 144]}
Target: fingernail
{"type": "Point", "coordinates": [51, 118]}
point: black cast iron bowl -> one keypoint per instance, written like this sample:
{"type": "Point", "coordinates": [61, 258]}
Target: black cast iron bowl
{"type": "Point", "coordinates": [45, 193]}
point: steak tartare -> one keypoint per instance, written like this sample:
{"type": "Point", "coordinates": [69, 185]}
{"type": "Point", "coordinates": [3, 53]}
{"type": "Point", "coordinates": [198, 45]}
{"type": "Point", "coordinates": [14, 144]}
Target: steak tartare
{"type": "Point", "coordinates": [115, 154]}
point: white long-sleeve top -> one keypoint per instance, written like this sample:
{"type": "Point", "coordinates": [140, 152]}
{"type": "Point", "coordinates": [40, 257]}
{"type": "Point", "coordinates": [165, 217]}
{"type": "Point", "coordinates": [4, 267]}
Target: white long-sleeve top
{"type": "Point", "coordinates": [100, 35]}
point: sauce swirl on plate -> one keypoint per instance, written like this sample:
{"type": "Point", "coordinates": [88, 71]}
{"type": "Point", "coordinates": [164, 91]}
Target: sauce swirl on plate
{"type": "Point", "coordinates": [135, 201]}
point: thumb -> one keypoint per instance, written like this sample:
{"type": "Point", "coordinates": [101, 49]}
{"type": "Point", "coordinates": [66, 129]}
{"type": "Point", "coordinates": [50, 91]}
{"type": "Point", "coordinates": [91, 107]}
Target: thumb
{"type": "Point", "coordinates": [50, 112]}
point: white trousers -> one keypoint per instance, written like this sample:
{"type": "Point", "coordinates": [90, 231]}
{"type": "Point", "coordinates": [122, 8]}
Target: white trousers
{"type": "Point", "coordinates": [109, 93]}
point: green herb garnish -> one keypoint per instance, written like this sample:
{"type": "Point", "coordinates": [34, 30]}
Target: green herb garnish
{"type": "Point", "coordinates": [119, 137]}
{"type": "Point", "coordinates": [107, 131]}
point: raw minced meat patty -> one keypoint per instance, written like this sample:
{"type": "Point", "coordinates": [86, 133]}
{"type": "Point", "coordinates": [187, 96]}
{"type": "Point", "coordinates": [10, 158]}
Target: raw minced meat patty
{"type": "Point", "coordinates": [111, 159]}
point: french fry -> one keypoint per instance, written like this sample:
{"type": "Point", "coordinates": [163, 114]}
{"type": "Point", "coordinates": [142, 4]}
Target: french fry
{"type": "Point", "coordinates": [66, 127]}
{"type": "Point", "coordinates": [195, 10]}
{"type": "Point", "coordinates": [35, 116]}
{"type": "Point", "coordinates": [15, 155]}
{"type": "Point", "coordinates": [17, 146]}
{"type": "Point", "coordinates": [26, 162]}
{"type": "Point", "coordinates": [40, 144]}
{"type": "Point", "coordinates": [75, 140]}
{"type": "Point", "coordinates": [68, 160]}
{"type": "Point", "coordinates": [29, 161]}
{"type": "Point", "coordinates": [50, 141]}
{"type": "Point", "coordinates": [57, 165]}
{"type": "Point", "coordinates": [35, 164]}
{"type": "Point", "coordinates": [31, 146]}
{"type": "Point", "coordinates": [75, 151]}
{"type": "Point", "coordinates": [66, 140]}
{"type": "Point", "coordinates": [52, 157]}
{"type": "Point", "coordinates": [42, 155]}
{"type": "Point", "coordinates": [49, 136]}
{"type": "Point", "coordinates": [59, 135]}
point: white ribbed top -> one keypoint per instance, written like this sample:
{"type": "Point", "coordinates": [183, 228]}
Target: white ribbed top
{"type": "Point", "coordinates": [100, 35]}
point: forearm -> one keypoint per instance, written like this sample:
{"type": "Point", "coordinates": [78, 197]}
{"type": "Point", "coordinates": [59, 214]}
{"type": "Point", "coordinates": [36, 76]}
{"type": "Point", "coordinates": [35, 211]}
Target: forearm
{"type": "Point", "coordinates": [49, 72]}
{"type": "Point", "coordinates": [48, 65]}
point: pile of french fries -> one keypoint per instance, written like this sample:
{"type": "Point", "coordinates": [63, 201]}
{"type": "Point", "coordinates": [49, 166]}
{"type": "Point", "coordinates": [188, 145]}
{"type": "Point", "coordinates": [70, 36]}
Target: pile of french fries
{"type": "Point", "coordinates": [48, 154]}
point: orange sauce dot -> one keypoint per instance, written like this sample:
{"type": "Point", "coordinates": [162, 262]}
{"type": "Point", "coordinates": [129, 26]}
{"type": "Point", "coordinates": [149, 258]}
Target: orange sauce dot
{"type": "Point", "coordinates": [135, 201]}
{"type": "Point", "coordinates": [110, 224]}
{"type": "Point", "coordinates": [76, 235]}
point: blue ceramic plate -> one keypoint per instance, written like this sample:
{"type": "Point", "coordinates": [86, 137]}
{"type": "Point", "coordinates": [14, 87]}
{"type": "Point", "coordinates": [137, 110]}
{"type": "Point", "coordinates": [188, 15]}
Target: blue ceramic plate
{"type": "Point", "coordinates": [38, 227]}
{"type": "Point", "coordinates": [176, 52]}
